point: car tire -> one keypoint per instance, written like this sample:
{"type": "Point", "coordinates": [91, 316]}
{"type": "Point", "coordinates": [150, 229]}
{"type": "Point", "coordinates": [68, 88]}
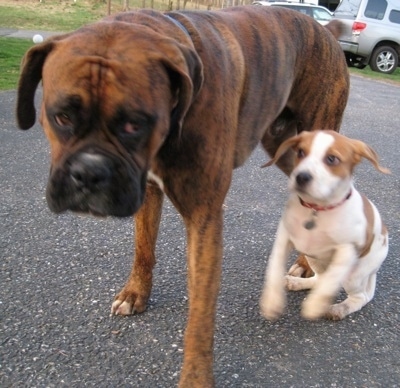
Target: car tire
{"type": "Point", "coordinates": [384, 59]}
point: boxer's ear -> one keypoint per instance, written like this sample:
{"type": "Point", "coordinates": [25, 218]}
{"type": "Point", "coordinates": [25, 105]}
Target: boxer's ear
{"type": "Point", "coordinates": [186, 75]}
{"type": "Point", "coordinates": [31, 74]}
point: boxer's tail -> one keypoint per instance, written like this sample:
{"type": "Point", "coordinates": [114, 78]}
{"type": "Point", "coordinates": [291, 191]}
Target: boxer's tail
{"type": "Point", "coordinates": [336, 27]}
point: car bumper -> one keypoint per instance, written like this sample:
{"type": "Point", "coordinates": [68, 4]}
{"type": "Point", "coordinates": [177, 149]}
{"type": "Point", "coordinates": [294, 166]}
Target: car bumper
{"type": "Point", "coordinates": [349, 46]}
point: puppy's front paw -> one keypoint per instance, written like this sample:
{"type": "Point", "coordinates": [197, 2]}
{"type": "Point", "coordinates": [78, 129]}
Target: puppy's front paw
{"type": "Point", "coordinates": [337, 312]}
{"type": "Point", "coordinates": [272, 304]}
{"type": "Point", "coordinates": [315, 307]}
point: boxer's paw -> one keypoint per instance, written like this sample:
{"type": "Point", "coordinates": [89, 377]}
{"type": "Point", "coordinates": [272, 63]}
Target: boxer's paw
{"type": "Point", "coordinates": [272, 303]}
{"type": "Point", "coordinates": [315, 307]}
{"type": "Point", "coordinates": [129, 302]}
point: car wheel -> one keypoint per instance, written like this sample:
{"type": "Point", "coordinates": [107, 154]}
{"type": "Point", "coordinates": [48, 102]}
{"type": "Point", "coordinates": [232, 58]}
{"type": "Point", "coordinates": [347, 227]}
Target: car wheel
{"type": "Point", "coordinates": [384, 59]}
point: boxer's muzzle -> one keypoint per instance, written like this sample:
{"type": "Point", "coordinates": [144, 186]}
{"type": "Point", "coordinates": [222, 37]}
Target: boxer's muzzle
{"type": "Point", "coordinates": [90, 173]}
{"type": "Point", "coordinates": [93, 181]}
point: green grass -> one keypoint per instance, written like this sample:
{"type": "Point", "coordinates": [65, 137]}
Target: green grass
{"type": "Point", "coordinates": [11, 52]}
{"type": "Point", "coordinates": [62, 15]}
{"type": "Point", "coordinates": [367, 72]}
{"type": "Point", "coordinates": [45, 16]}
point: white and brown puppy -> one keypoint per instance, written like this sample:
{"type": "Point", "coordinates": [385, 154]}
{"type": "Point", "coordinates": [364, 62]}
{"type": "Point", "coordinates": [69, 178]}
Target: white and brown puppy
{"type": "Point", "coordinates": [338, 229]}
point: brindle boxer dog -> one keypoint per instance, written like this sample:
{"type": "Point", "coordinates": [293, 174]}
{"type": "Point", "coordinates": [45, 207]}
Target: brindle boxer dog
{"type": "Point", "coordinates": [145, 103]}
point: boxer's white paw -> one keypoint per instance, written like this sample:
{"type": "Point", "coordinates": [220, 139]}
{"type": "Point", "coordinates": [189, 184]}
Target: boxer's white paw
{"type": "Point", "coordinates": [120, 307]}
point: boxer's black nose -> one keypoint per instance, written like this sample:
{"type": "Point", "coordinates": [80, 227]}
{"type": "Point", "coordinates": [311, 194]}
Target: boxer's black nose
{"type": "Point", "coordinates": [90, 171]}
{"type": "Point", "coordinates": [302, 178]}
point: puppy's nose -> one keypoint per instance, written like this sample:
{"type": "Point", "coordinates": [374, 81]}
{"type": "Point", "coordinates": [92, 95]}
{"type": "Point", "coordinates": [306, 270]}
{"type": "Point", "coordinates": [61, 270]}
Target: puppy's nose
{"type": "Point", "coordinates": [90, 171]}
{"type": "Point", "coordinates": [303, 178]}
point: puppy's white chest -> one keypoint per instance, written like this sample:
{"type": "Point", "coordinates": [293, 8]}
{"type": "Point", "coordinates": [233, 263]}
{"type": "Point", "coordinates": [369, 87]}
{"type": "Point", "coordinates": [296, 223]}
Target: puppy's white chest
{"type": "Point", "coordinates": [316, 233]}
{"type": "Point", "coordinates": [315, 242]}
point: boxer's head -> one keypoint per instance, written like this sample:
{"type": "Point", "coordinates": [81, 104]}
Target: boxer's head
{"type": "Point", "coordinates": [112, 93]}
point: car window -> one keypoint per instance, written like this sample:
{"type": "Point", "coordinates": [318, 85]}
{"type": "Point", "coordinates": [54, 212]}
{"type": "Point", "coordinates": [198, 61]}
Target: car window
{"type": "Point", "coordinates": [321, 14]}
{"type": "Point", "coordinates": [375, 9]}
{"type": "Point", "coordinates": [348, 7]}
{"type": "Point", "coordinates": [304, 10]}
{"type": "Point", "coordinates": [394, 16]}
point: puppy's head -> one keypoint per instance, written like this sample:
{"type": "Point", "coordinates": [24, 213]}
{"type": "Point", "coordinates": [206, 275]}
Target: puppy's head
{"type": "Point", "coordinates": [324, 164]}
{"type": "Point", "coordinates": [112, 93]}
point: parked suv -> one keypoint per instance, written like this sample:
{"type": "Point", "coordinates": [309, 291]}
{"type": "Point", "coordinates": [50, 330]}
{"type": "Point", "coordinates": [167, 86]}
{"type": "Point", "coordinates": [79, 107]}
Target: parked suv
{"type": "Point", "coordinates": [321, 14]}
{"type": "Point", "coordinates": [372, 33]}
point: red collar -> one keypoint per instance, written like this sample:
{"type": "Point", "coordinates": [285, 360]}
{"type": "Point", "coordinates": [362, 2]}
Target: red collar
{"type": "Point", "coordinates": [322, 208]}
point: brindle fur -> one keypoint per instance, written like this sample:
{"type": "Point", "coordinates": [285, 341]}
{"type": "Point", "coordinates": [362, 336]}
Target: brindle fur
{"type": "Point", "coordinates": [244, 75]}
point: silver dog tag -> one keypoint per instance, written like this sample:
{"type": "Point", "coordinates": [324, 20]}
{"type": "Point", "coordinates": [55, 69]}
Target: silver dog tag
{"type": "Point", "coordinates": [311, 224]}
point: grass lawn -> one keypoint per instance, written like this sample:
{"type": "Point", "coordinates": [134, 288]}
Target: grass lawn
{"type": "Point", "coordinates": [367, 72]}
{"type": "Point", "coordinates": [11, 53]}
{"type": "Point", "coordinates": [49, 15]}
{"type": "Point", "coordinates": [67, 15]}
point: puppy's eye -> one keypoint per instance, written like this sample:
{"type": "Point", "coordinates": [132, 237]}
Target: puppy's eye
{"type": "Point", "coordinates": [300, 153]}
{"type": "Point", "coordinates": [332, 160]}
{"type": "Point", "coordinates": [63, 120]}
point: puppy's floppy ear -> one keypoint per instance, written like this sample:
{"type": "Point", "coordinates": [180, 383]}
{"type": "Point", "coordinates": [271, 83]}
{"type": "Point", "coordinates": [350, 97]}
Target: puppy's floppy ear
{"type": "Point", "coordinates": [363, 150]}
{"type": "Point", "coordinates": [289, 143]}
{"type": "Point", "coordinates": [185, 70]}
{"type": "Point", "coordinates": [31, 74]}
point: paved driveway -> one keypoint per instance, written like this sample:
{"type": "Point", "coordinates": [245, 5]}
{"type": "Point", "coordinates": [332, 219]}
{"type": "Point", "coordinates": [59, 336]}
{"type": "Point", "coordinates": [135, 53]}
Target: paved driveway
{"type": "Point", "coordinates": [59, 275]}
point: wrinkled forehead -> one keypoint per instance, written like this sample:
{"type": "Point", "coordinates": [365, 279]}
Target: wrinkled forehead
{"type": "Point", "coordinates": [71, 64]}
{"type": "Point", "coordinates": [101, 78]}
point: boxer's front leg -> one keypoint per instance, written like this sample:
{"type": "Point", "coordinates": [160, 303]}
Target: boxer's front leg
{"type": "Point", "coordinates": [135, 294]}
{"type": "Point", "coordinates": [204, 229]}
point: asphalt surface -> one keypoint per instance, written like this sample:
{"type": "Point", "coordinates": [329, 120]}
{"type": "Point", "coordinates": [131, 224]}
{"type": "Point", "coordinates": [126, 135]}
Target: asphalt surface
{"type": "Point", "coordinates": [25, 34]}
{"type": "Point", "coordinates": [59, 275]}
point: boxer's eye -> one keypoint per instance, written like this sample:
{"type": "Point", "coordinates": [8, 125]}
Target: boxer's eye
{"type": "Point", "coordinates": [131, 128]}
{"type": "Point", "coordinates": [332, 160]}
{"type": "Point", "coordinates": [63, 120]}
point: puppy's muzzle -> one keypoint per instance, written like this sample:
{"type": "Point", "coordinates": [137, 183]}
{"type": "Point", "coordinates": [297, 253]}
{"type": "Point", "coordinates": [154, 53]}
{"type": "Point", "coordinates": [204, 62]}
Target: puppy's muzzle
{"type": "Point", "coordinates": [303, 179]}
{"type": "Point", "coordinates": [90, 172]}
